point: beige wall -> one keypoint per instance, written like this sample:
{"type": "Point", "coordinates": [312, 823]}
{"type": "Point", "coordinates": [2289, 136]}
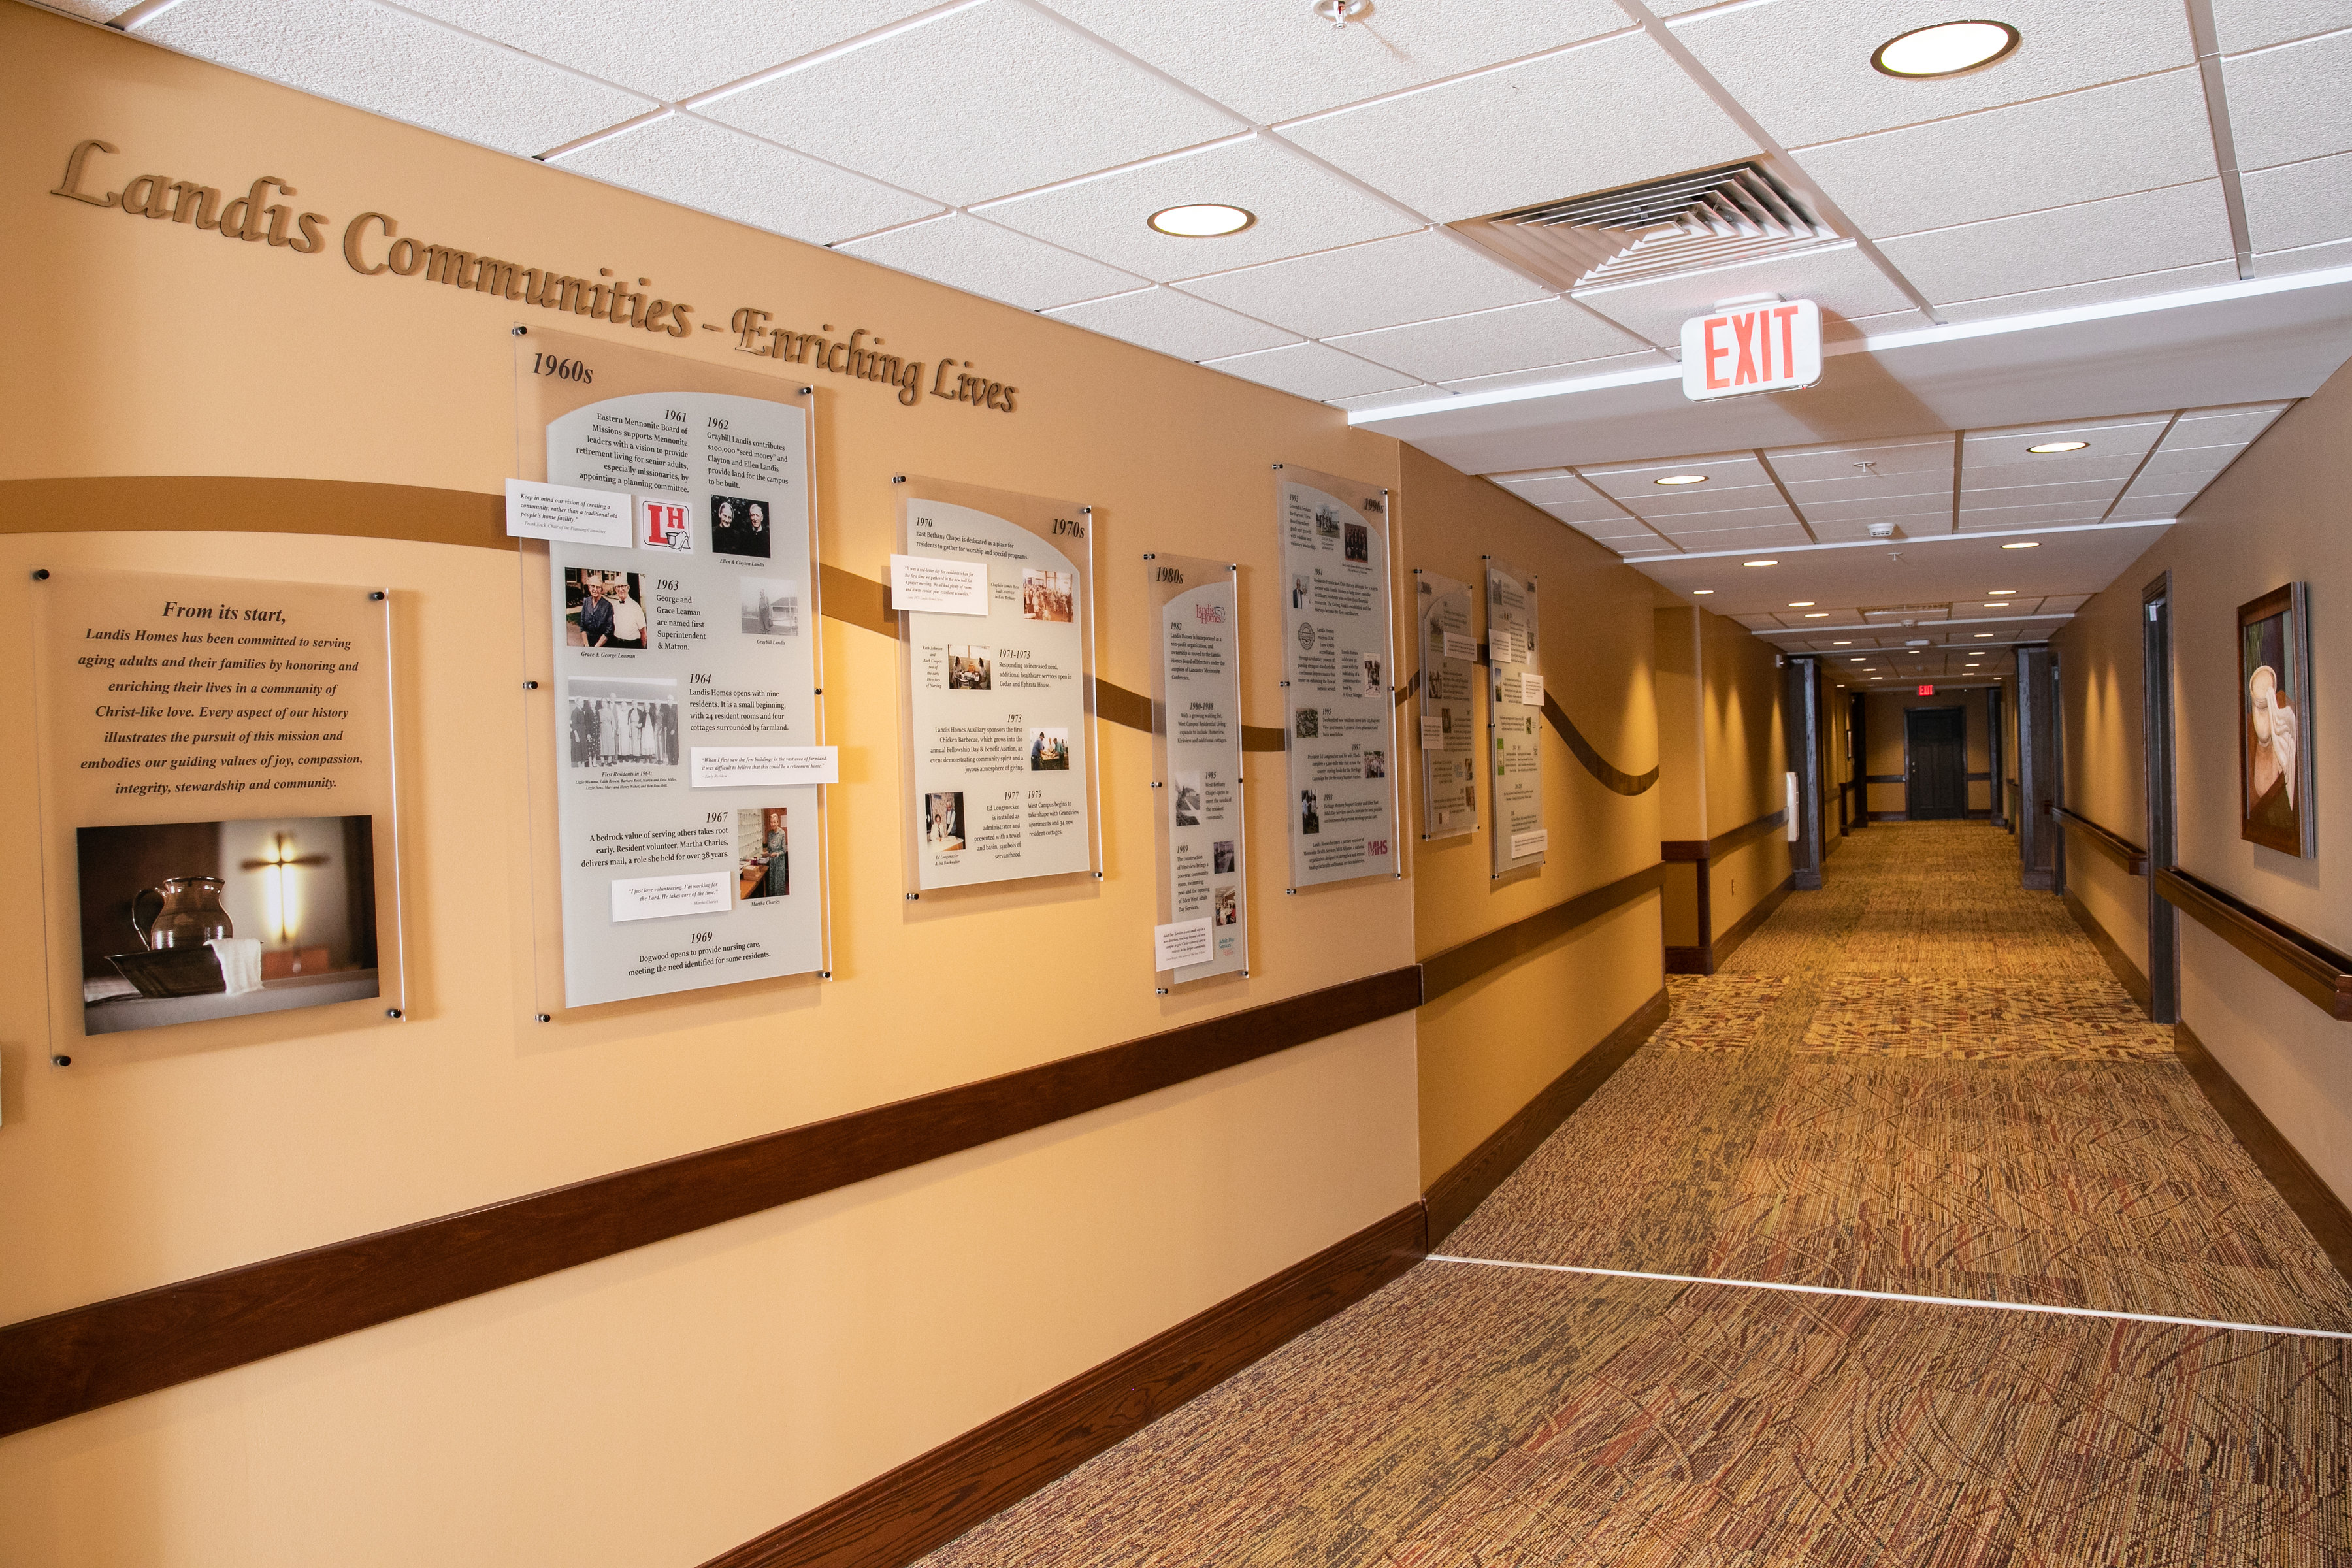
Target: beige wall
{"type": "Point", "coordinates": [1682, 764]}
{"type": "Point", "coordinates": [1488, 1047]}
{"type": "Point", "coordinates": [660, 1405]}
{"type": "Point", "coordinates": [1883, 720]}
{"type": "Point", "coordinates": [2275, 517]}
{"type": "Point", "coordinates": [1747, 761]}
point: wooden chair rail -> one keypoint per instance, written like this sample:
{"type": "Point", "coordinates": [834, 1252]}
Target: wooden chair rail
{"type": "Point", "coordinates": [2114, 846]}
{"type": "Point", "coordinates": [2317, 971]}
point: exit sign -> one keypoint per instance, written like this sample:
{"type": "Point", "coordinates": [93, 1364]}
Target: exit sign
{"type": "Point", "coordinates": [1769, 346]}
{"type": "Point", "coordinates": [1927, 692]}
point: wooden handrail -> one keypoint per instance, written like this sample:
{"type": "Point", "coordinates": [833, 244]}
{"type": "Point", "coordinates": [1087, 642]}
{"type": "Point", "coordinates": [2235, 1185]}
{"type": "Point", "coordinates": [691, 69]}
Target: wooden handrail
{"type": "Point", "coordinates": [2317, 971]}
{"type": "Point", "coordinates": [2114, 846]}
{"type": "Point", "coordinates": [1722, 844]}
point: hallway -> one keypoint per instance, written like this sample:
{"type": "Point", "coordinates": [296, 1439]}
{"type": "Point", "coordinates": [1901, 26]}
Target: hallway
{"type": "Point", "coordinates": [1907, 1098]}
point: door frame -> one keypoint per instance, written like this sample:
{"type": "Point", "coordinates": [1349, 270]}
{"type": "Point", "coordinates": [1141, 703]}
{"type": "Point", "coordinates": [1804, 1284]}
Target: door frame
{"type": "Point", "coordinates": [1910, 813]}
{"type": "Point", "coordinates": [2163, 821]}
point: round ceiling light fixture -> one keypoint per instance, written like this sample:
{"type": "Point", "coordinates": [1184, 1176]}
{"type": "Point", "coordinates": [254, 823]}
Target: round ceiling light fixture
{"type": "Point", "coordinates": [1760, 563]}
{"type": "Point", "coordinates": [2024, 545]}
{"type": "Point", "coordinates": [1948, 49]}
{"type": "Point", "coordinates": [1201, 220]}
{"type": "Point", "coordinates": [1681, 479]}
{"type": "Point", "coordinates": [2049, 447]}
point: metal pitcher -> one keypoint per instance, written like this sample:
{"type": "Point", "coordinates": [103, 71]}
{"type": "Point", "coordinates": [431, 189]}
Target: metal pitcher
{"type": "Point", "coordinates": [188, 913]}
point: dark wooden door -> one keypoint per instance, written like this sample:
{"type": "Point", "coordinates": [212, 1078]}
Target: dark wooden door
{"type": "Point", "coordinates": [1935, 762]}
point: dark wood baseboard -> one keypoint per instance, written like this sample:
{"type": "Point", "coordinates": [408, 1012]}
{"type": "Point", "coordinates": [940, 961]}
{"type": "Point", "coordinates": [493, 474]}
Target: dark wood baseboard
{"type": "Point", "coordinates": [1452, 1195]}
{"type": "Point", "coordinates": [1690, 961]}
{"type": "Point", "coordinates": [2126, 972]}
{"type": "Point", "coordinates": [2313, 1200]}
{"type": "Point", "coordinates": [88, 1356]}
{"type": "Point", "coordinates": [930, 1500]}
{"type": "Point", "coordinates": [1890, 817]}
{"type": "Point", "coordinates": [1745, 926]}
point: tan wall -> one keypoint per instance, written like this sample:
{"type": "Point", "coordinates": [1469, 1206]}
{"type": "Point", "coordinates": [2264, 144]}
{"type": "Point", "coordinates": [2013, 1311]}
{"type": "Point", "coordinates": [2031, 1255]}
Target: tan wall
{"type": "Point", "coordinates": [2275, 517]}
{"type": "Point", "coordinates": [1487, 1048]}
{"type": "Point", "coordinates": [666, 1403]}
{"type": "Point", "coordinates": [1747, 762]}
{"type": "Point", "coordinates": [1681, 765]}
{"type": "Point", "coordinates": [1883, 721]}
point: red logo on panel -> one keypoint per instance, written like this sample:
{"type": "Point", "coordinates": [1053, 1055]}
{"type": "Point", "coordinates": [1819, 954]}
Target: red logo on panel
{"type": "Point", "coordinates": [666, 527]}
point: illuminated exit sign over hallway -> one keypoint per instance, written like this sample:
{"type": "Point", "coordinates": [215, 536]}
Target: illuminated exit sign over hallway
{"type": "Point", "coordinates": [1927, 692]}
{"type": "Point", "coordinates": [1770, 345]}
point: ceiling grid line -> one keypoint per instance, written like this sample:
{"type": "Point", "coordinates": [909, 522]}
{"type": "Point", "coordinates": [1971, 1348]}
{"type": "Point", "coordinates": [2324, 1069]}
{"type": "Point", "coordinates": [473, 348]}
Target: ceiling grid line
{"type": "Point", "coordinates": [1663, 37]}
{"type": "Point", "coordinates": [1959, 465]}
{"type": "Point", "coordinates": [2206, 38]}
{"type": "Point", "coordinates": [2141, 466]}
{"type": "Point", "coordinates": [1765, 463]}
{"type": "Point", "coordinates": [1661, 535]}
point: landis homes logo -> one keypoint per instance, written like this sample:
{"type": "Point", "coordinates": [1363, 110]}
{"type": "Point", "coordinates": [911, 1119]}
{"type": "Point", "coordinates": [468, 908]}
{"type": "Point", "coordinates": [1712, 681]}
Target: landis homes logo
{"type": "Point", "coordinates": [373, 247]}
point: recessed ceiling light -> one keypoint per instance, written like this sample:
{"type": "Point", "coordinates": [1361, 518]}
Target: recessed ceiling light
{"type": "Point", "coordinates": [1681, 479]}
{"type": "Point", "coordinates": [1702, 590]}
{"type": "Point", "coordinates": [1847, 643]}
{"type": "Point", "coordinates": [1802, 603]}
{"type": "Point", "coordinates": [1997, 591]}
{"type": "Point", "coordinates": [1945, 49]}
{"type": "Point", "coordinates": [2048, 446]}
{"type": "Point", "coordinates": [1817, 615]}
{"type": "Point", "coordinates": [1984, 634]}
{"type": "Point", "coordinates": [1201, 220]}
{"type": "Point", "coordinates": [1760, 563]}
{"type": "Point", "coordinates": [1994, 604]}
{"type": "Point", "coordinates": [2024, 545]}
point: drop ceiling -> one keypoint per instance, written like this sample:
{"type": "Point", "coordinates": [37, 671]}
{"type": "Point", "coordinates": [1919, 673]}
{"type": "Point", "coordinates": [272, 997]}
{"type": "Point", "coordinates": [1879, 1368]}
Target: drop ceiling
{"type": "Point", "coordinates": [2140, 222]}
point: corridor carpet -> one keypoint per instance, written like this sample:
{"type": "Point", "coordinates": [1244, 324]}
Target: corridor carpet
{"type": "Point", "coordinates": [1915, 1081]}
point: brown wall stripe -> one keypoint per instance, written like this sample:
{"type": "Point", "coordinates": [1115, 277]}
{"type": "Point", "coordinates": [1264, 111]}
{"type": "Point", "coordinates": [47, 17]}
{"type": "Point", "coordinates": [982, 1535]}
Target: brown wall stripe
{"type": "Point", "coordinates": [86, 1357]}
{"type": "Point", "coordinates": [1459, 965]}
{"type": "Point", "coordinates": [1598, 767]}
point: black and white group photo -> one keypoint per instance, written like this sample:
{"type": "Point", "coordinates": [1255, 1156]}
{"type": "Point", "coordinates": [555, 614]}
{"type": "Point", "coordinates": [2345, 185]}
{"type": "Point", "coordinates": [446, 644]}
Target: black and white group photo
{"type": "Point", "coordinates": [623, 723]}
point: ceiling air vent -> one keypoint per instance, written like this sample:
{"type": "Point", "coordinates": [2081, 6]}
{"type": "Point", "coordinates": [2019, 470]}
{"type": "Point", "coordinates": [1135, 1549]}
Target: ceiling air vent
{"type": "Point", "coordinates": [1737, 213]}
{"type": "Point", "coordinates": [1943, 609]}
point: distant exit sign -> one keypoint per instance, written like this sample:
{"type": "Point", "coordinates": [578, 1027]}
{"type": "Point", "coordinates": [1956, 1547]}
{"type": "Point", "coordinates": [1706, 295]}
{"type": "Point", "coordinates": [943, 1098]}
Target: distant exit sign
{"type": "Point", "coordinates": [1771, 346]}
{"type": "Point", "coordinates": [1927, 692]}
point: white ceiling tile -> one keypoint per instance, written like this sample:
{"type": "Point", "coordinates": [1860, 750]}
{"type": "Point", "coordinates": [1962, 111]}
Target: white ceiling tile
{"type": "Point", "coordinates": [2197, 465]}
{"type": "Point", "coordinates": [693, 48]}
{"type": "Point", "coordinates": [1899, 455]}
{"type": "Point", "coordinates": [2309, 259]}
{"type": "Point", "coordinates": [388, 62]}
{"type": "Point", "coordinates": [2009, 442]}
{"type": "Point", "coordinates": [1825, 86]}
{"type": "Point", "coordinates": [1786, 536]}
{"type": "Point", "coordinates": [2135, 508]}
{"type": "Point", "coordinates": [2138, 286]}
{"type": "Point", "coordinates": [1517, 337]}
{"type": "Point", "coordinates": [1540, 375]}
{"type": "Point", "coordinates": [1848, 530]}
{"type": "Point", "coordinates": [1721, 468]}
{"type": "Point", "coordinates": [89, 10]}
{"type": "Point", "coordinates": [1850, 329]}
{"type": "Point", "coordinates": [1840, 278]}
{"type": "Point", "coordinates": [1600, 523]}
{"type": "Point", "coordinates": [1724, 509]}
{"type": "Point", "coordinates": [2298, 205]}
{"type": "Point", "coordinates": [2290, 102]}
{"type": "Point", "coordinates": [2221, 426]}
{"type": "Point", "coordinates": [1912, 511]}
{"type": "Point", "coordinates": [712, 169]}
{"type": "Point", "coordinates": [2121, 236]}
{"type": "Point", "coordinates": [964, 252]}
{"type": "Point", "coordinates": [1976, 518]}
{"type": "Point", "coordinates": [2240, 25]}
{"type": "Point", "coordinates": [1175, 324]}
{"type": "Point", "coordinates": [981, 102]}
{"type": "Point", "coordinates": [1979, 497]}
{"type": "Point", "coordinates": [1300, 208]}
{"type": "Point", "coordinates": [1273, 62]}
{"type": "Point", "coordinates": [1557, 490]}
{"type": "Point", "coordinates": [1587, 119]}
{"type": "Point", "coordinates": [1311, 370]}
{"type": "Point", "coordinates": [1411, 278]}
{"type": "Point", "coordinates": [2077, 147]}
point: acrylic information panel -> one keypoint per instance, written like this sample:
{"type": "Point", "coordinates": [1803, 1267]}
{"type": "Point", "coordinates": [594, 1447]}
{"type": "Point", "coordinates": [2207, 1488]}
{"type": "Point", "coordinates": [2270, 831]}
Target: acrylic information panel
{"type": "Point", "coordinates": [683, 698]}
{"type": "Point", "coordinates": [1336, 661]}
{"type": "Point", "coordinates": [218, 799]}
{"type": "Point", "coordinates": [994, 593]}
{"type": "Point", "coordinates": [1196, 710]}
{"type": "Point", "coordinates": [1515, 719]}
{"type": "Point", "coordinates": [1449, 706]}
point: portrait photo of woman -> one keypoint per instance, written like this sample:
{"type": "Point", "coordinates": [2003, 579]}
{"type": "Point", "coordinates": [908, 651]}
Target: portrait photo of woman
{"type": "Point", "coordinates": [2274, 666]}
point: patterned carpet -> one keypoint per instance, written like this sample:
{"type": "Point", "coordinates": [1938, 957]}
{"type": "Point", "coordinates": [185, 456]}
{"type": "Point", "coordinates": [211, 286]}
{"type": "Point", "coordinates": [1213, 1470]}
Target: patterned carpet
{"type": "Point", "coordinates": [1985, 1116]}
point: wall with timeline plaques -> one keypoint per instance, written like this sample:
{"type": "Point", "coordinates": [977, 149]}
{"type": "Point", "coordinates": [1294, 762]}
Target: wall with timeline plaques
{"type": "Point", "coordinates": [1480, 1061]}
{"type": "Point", "coordinates": [249, 413]}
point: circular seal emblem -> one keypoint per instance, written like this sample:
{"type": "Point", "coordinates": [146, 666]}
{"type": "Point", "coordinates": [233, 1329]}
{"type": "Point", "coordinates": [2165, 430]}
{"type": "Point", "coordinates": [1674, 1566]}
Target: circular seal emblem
{"type": "Point", "coordinates": [1306, 635]}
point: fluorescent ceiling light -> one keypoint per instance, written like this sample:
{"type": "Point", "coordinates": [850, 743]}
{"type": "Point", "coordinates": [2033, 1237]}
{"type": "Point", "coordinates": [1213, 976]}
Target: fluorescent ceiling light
{"type": "Point", "coordinates": [1760, 563]}
{"type": "Point", "coordinates": [1817, 616]}
{"type": "Point", "coordinates": [2024, 545]}
{"type": "Point", "coordinates": [1681, 479]}
{"type": "Point", "coordinates": [1800, 604]}
{"type": "Point", "coordinates": [1945, 49]}
{"type": "Point", "coordinates": [1702, 590]}
{"type": "Point", "coordinates": [2048, 446]}
{"type": "Point", "coordinates": [1997, 591]}
{"type": "Point", "coordinates": [1847, 643]}
{"type": "Point", "coordinates": [1984, 634]}
{"type": "Point", "coordinates": [1203, 220]}
{"type": "Point", "coordinates": [1993, 604]}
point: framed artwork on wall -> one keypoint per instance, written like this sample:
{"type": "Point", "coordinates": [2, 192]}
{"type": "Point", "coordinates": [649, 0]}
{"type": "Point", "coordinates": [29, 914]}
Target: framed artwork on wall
{"type": "Point", "coordinates": [2274, 773]}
